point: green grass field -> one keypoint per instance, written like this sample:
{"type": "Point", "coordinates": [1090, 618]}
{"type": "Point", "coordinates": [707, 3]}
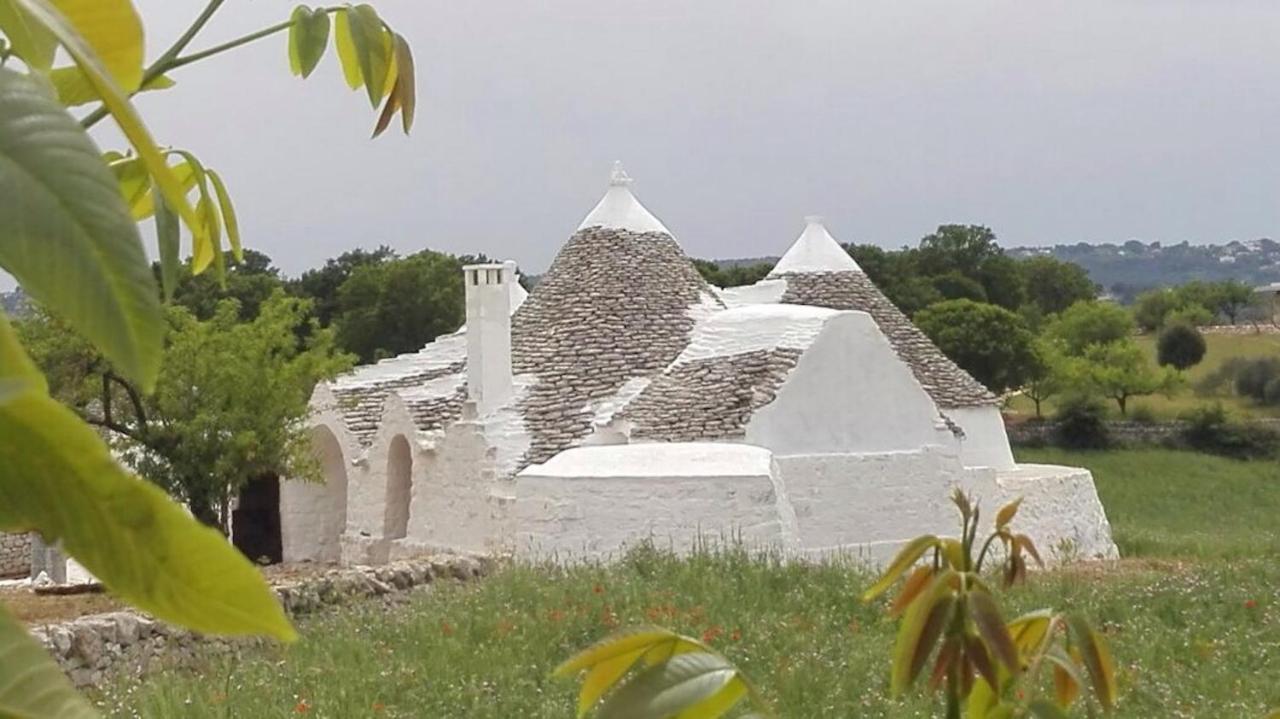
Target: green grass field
{"type": "Point", "coordinates": [1193, 614]}
{"type": "Point", "coordinates": [1220, 349]}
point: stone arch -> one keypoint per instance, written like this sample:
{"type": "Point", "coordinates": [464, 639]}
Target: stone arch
{"type": "Point", "coordinates": [399, 488]}
{"type": "Point", "coordinates": [332, 507]}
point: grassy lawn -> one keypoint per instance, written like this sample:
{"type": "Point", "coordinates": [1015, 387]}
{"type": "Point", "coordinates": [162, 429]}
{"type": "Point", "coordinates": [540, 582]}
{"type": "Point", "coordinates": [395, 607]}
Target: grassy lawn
{"type": "Point", "coordinates": [1193, 615]}
{"type": "Point", "coordinates": [1220, 349]}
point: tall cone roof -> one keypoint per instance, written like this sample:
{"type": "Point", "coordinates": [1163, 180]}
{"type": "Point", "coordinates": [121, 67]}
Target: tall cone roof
{"type": "Point", "coordinates": [815, 251]}
{"type": "Point", "coordinates": [620, 210]}
{"type": "Point", "coordinates": [613, 307]}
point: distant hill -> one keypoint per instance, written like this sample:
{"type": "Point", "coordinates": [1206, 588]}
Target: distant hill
{"type": "Point", "coordinates": [1127, 269]}
{"type": "Point", "coordinates": [1124, 270]}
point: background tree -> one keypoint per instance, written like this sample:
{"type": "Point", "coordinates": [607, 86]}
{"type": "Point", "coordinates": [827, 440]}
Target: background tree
{"type": "Point", "coordinates": [732, 276]}
{"type": "Point", "coordinates": [959, 248]}
{"type": "Point", "coordinates": [956, 286]}
{"type": "Point", "coordinates": [1120, 370]}
{"type": "Point", "coordinates": [399, 305]}
{"type": "Point", "coordinates": [989, 342]}
{"type": "Point", "coordinates": [1053, 285]}
{"type": "Point", "coordinates": [321, 285]}
{"type": "Point", "coordinates": [1180, 346]}
{"type": "Point", "coordinates": [1233, 297]}
{"type": "Point", "coordinates": [1002, 278]}
{"type": "Point", "coordinates": [228, 406]}
{"type": "Point", "coordinates": [249, 281]}
{"type": "Point", "coordinates": [1047, 374]}
{"type": "Point", "coordinates": [1152, 306]}
{"type": "Point", "coordinates": [1090, 323]}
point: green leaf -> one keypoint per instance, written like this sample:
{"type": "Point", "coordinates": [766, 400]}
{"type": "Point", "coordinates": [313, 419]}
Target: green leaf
{"type": "Point", "coordinates": [603, 676]}
{"type": "Point", "coordinates": [32, 42]}
{"type": "Point", "coordinates": [624, 642]}
{"type": "Point", "coordinates": [668, 690]}
{"type": "Point", "coordinates": [117, 103]}
{"type": "Point", "coordinates": [1097, 660]}
{"type": "Point", "coordinates": [170, 247]}
{"type": "Point", "coordinates": [920, 630]}
{"type": "Point", "coordinates": [57, 476]}
{"type": "Point", "coordinates": [907, 556]}
{"type": "Point", "coordinates": [406, 83]}
{"type": "Point", "coordinates": [228, 215]}
{"type": "Point", "coordinates": [74, 88]}
{"type": "Point", "coordinates": [991, 627]}
{"type": "Point", "coordinates": [345, 43]}
{"type": "Point", "coordinates": [1029, 630]}
{"type": "Point", "coordinates": [308, 37]}
{"type": "Point", "coordinates": [113, 30]}
{"type": "Point", "coordinates": [31, 684]}
{"type": "Point", "coordinates": [66, 234]}
{"type": "Point", "coordinates": [1045, 709]}
{"type": "Point", "coordinates": [1007, 512]}
{"type": "Point", "coordinates": [371, 50]}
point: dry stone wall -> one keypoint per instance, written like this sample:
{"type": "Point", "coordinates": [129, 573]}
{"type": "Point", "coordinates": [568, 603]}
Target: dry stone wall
{"type": "Point", "coordinates": [15, 555]}
{"type": "Point", "coordinates": [613, 306]}
{"type": "Point", "coordinates": [709, 399]}
{"type": "Point", "coordinates": [948, 385]}
{"type": "Point", "coordinates": [361, 405]}
{"type": "Point", "coordinates": [94, 648]}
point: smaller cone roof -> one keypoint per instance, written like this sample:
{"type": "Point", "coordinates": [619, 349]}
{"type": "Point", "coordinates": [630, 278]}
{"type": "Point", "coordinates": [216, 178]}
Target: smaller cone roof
{"type": "Point", "coordinates": [815, 251]}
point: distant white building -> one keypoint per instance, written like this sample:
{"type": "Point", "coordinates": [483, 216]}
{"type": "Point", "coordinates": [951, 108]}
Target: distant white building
{"type": "Point", "coordinates": [626, 399]}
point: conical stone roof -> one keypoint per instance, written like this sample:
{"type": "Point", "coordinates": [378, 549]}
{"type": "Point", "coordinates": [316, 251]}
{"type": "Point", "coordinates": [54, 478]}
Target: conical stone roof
{"type": "Point", "coordinates": [614, 306]}
{"type": "Point", "coordinates": [819, 272]}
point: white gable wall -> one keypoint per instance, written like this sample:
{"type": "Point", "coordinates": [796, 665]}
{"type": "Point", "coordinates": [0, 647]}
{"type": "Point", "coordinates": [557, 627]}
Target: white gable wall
{"type": "Point", "coordinates": [849, 393]}
{"type": "Point", "coordinates": [985, 443]}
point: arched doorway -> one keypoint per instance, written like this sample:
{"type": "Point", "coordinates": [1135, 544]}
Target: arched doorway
{"type": "Point", "coordinates": [333, 507]}
{"type": "Point", "coordinates": [255, 522]}
{"type": "Point", "coordinates": [399, 489]}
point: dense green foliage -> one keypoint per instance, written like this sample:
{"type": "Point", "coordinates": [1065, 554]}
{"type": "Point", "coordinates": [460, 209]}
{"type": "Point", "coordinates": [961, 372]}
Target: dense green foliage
{"type": "Point", "coordinates": [989, 342]}
{"type": "Point", "coordinates": [1212, 429]}
{"type": "Point", "coordinates": [1180, 346]}
{"type": "Point", "coordinates": [734, 275]}
{"type": "Point", "coordinates": [1182, 626]}
{"type": "Point", "coordinates": [1196, 302]}
{"type": "Point", "coordinates": [228, 404]}
{"type": "Point", "coordinates": [1081, 423]}
{"type": "Point", "coordinates": [1085, 324]}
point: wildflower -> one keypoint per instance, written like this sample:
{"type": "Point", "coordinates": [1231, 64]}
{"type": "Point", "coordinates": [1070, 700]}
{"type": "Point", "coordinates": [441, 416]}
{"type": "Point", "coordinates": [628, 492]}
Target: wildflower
{"type": "Point", "coordinates": [1250, 604]}
{"type": "Point", "coordinates": [598, 589]}
{"type": "Point", "coordinates": [446, 629]}
{"type": "Point", "coordinates": [736, 635]}
{"type": "Point", "coordinates": [379, 706]}
{"type": "Point", "coordinates": [302, 707]}
{"type": "Point", "coordinates": [711, 634]}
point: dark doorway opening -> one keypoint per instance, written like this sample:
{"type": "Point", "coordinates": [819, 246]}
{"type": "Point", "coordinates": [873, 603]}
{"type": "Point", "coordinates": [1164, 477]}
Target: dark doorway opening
{"type": "Point", "coordinates": [255, 523]}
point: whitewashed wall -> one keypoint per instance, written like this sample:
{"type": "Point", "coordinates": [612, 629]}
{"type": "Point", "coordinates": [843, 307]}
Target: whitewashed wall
{"type": "Point", "coordinates": [985, 443]}
{"type": "Point", "coordinates": [849, 393]}
{"type": "Point", "coordinates": [595, 501]}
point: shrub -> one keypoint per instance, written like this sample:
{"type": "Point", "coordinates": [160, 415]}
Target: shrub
{"type": "Point", "coordinates": [1082, 424]}
{"type": "Point", "coordinates": [1252, 377]}
{"type": "Point", "coordinates": [1213, 430]}
{"type": "Point", "coordinates": [1180, 346]}
{"type": "Point", "coordinates": [1193, 315]}
{"type": "Point", "coordinates": [1142, 414]}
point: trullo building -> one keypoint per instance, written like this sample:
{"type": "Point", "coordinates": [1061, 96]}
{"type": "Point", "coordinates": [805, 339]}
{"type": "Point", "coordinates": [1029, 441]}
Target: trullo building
{"type": "Point", "coordinates": [626, 399]}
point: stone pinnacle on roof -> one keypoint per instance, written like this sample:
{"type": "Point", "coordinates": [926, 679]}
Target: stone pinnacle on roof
{"type": "Point", "coordinates": [815, 251]}
{"type": "Point", "coordinates": [620, 210]}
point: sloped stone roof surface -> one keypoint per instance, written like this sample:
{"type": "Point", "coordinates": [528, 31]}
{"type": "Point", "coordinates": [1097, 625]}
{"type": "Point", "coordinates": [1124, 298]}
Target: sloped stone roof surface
{"type": "Point", "coordinates": [711, 398]}
{"type": "Point", "coordinates": [949, 385]}
{"type": "Point", "coordinates": [615, 305]}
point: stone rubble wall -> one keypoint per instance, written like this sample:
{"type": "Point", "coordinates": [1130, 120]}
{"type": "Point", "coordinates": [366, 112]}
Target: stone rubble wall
{"type": "Point", "coordinates": [96, 648]}
{"type": "Point", "coordinates": [15, 555]}
{"type": "Point", "coordinates": [948, 385]}
{"type": "Point", "coordinates": [1122, 432]}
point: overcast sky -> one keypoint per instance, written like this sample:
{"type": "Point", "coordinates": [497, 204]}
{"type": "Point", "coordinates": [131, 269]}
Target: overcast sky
{"type": "Point", "coordinates": [1093, 120]}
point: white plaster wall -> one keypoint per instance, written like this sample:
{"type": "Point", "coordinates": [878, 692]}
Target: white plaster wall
{"type": "Point", "coordinates": [313, 514]}
{"type": "Point", "coordinates": [849, 393]}
{"type": "Point", "coordinates": [1060, 510]}
{"type": "Point", "coordinates": [985, 443]}
{"type": "Point", "coordinates": [595, 501]}
{"type": "Point", "coordinates": [868, 504]}
{"type": "Point", "coordinates": [764, 292]}
{"type": "Point", "coordinates": [460, 497]}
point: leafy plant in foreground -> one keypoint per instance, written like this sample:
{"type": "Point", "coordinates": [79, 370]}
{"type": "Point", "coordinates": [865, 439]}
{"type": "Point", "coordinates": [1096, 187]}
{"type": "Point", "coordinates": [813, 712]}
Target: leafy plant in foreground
{"type": "Point", "coordinates": [652, 673]}
{"type": "Point", "coordinates": [68, 233]}
{"type": "Point", "coordinates": [985, 667]}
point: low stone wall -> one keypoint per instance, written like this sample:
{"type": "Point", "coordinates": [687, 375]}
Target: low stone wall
{"type": "Point", "coordinates": [1125, 433]}
{"type": "Point", "coordinates": [15, 555]}
{"type": "Point", "coordinates": [1266, 328]}
{"type": "Point", "coordinates": [92, 648]}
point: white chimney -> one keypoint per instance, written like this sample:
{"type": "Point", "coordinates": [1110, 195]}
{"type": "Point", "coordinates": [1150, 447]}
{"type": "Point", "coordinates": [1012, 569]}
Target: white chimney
{"type": "Point", "coordinates": [489, 333]}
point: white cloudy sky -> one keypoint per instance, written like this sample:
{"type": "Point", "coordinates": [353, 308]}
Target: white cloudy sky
{"type": "Point", "coordinates": [1094, 120]}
